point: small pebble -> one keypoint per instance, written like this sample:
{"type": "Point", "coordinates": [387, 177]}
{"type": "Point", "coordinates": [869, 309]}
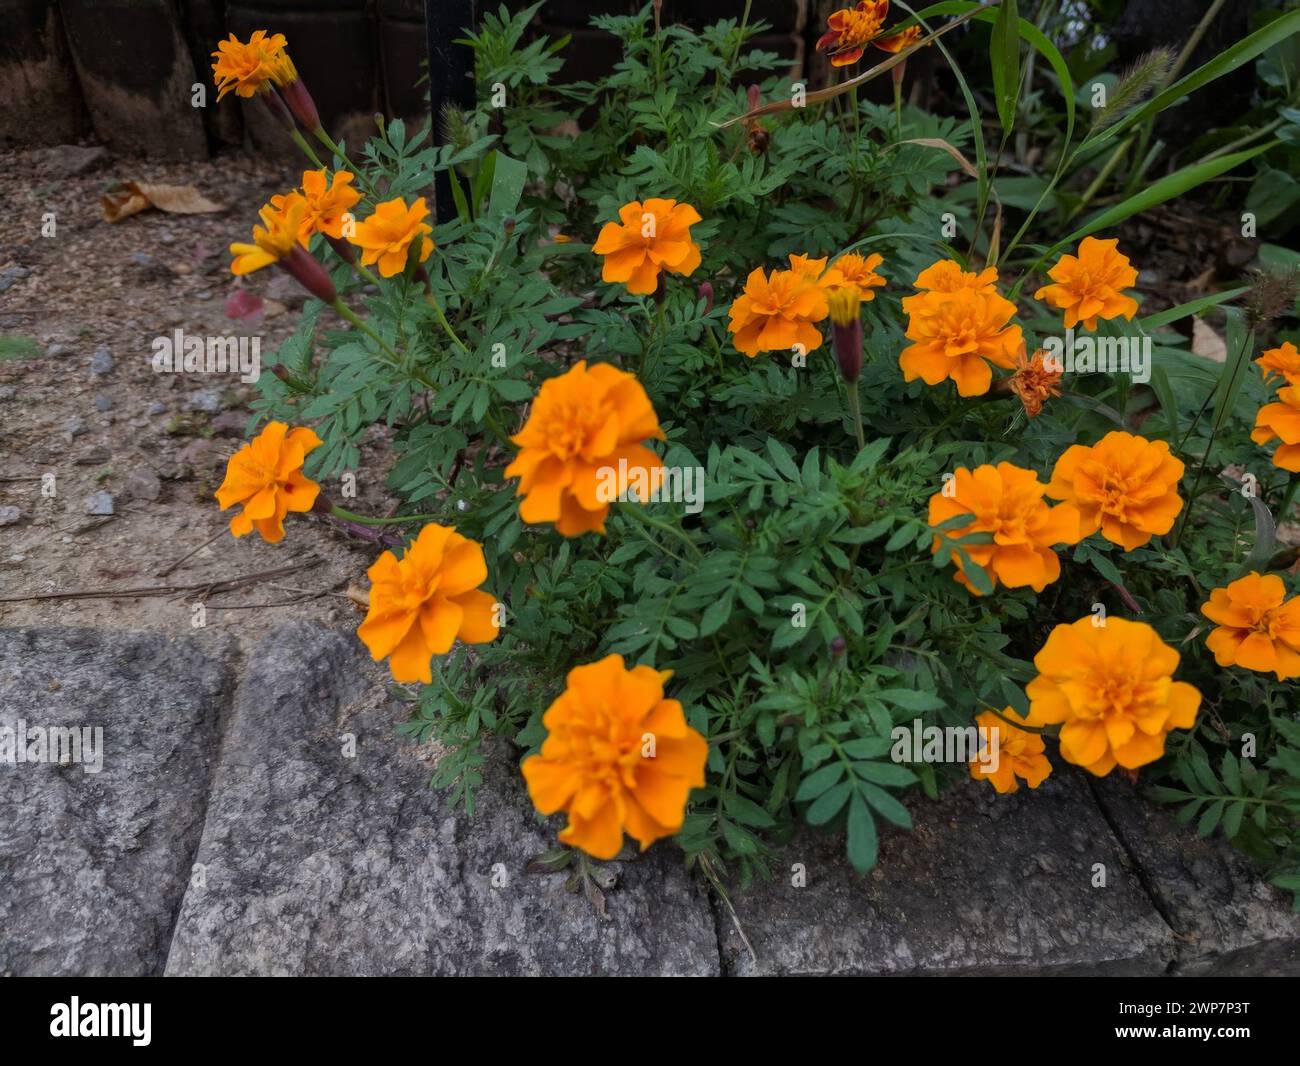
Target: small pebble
{"type": "Point", "coordinates": [9, 515]}
{"type": "Point", "coordinates": [157, 408]}
{"type": "Point", "coordinates": [103, 403]}
{"type": "Point", "coordinates": [75, 426]}
{"type": "Point", "coordinates": [101, 362]}
{"type": "Point", "coordinates": [58, 349]}
{"type": "Point", "coordinates": [99, 503]}
{"type": "Point", "coordinates": [207, 400]}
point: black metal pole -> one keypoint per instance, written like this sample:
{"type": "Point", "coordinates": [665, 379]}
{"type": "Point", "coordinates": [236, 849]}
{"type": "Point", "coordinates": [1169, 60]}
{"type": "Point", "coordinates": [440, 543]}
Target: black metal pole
{"type": "Point", "coordinates": [451, 77]}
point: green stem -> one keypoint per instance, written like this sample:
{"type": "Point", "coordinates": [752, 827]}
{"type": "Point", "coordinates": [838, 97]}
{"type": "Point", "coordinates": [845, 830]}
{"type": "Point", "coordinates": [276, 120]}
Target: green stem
{"type": "Point", "coordinates": [307, 149]}
{"type": "Point", "coordinates": [855, 405]}
{"type": "Point", "coordinates": [442, 320]}
{"type": "Point", "coordinates": [637, 511]}
{"type": "Point", "coordinates": [360, 519]}
{"type": "Point", "coordinates": [344, 311]}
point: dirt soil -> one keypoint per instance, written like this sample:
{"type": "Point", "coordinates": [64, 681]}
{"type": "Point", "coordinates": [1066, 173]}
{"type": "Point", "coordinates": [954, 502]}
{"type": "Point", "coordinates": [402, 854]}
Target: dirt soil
{"type": "Point", "coordinates": [79, 399]}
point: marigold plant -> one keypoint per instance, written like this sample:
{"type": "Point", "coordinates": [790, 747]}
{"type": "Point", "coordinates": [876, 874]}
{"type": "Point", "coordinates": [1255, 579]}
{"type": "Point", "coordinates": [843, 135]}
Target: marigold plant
{"type": "Point", "coordinates": [266, 477]}
{"type": "Point", "coordinates": [1257, 626]}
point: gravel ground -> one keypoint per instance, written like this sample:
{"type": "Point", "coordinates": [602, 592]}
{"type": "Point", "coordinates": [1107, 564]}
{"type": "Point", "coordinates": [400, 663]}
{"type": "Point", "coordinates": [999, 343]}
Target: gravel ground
{"type": "Point", "coordinates": [79, 312]}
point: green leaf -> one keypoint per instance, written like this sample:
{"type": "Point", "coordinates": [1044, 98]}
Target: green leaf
{"type": "Point", "coordinates": [862, 840]}
{"type": "Point", "coordinates": [912, 700]}
{"type": "Point", "coordinates": [818, 782]}
{"type": "Point", "coordinates": [507, 185]}
{"type": "Point", "coordinates": [1168, 187]}
{"type": "Point", "coordinates": [885, 773]}
{"type": "Point", "coordinates": [746, 810]}
{"type": "Point", "coordinates": [828, 804]}
{"type": "Point", "coordinates": [887, 806]}
{"type": "Point", "coordinates": [782, 459]}
{"type": "Point", "coordinates": [1004, 52]}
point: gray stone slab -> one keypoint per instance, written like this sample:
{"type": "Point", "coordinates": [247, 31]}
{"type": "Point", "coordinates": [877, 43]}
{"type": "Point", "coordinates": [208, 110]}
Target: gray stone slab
{"type": "Point", "coordinates": [986, 884]}
{"type": "Point", "coordinates": [316, 863]}
{"type": "Point", "coordinates": [93, 865]}
{"type": "Point", "coordinates": [1228, 920]}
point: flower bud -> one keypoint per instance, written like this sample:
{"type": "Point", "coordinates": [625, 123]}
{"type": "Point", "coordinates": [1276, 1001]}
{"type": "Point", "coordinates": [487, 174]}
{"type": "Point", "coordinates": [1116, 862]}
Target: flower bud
{"type": "Point", "coordinates": [846, 331]}
{"type": "Point", "coordinates": [345, 250]}
{"type": "Point", "coordinates": [508, 224]}
{"type": "Point", "coordinates": [301, 104]}
{"type": "Point", "coordinates": [706, 294]}
{"type": "Point", "coordinates": [309, 274]}
{"type": "Point", "coordinates": [839, 646]}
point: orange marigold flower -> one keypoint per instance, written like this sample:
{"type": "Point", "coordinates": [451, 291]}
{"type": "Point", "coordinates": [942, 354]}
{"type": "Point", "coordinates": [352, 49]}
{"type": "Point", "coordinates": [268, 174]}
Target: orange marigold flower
{"type": "Point", "coordinates": [1281, 421]}
{"type": "Point", "coordinates": [1034, 382]}
{"type": "Point", "coordinates": [266, 476]}
{"type": "Point", "coordinates": [275, 238]}
{"type": "Point", "coordinates": [1088, 286]}
{"type": "Point", "coordinates": [1124, 485]}
{"type": "Point", "coordinates": [425, 601]}
{"type": "Point", "coordinates": [387, 235]}
{"type": "Point", "coordinates": [254, 67]}
{"type": "Point", "coordinates": [958, 335]}
{"type": "Point", "coordinates": [581, 449]}
{"type": "Point", "coordinates": [618, 757]}
{"type": "Point", "coordinates": [851, 29]}
{"type": "Point", "coordinates": [328, 201]}
{"type": "Point", "coordinates": [808, 268]}
{"type": "Point", "coordinates": [898, 41]}
{"type": "Point", "coordinates": [853, 271]}
{"type": "Point", "coordinates": [1005, 501]}
{"type": "Point", "coordinates": [1020, 754]}
{"type": "Point", "coordinates": [1283, 362]}
{"type": "Point", "coordinates": [776, 312]}
{"type": "Point", "coordinates": [1258, 627]}
{"type": "Point", "coordinates": [648, 238]}
{"type": "Point", "coordinates": [1111, 689]}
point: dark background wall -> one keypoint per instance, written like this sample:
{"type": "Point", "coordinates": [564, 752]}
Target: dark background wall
{"type": "Point", "coordinates": [123, 70]}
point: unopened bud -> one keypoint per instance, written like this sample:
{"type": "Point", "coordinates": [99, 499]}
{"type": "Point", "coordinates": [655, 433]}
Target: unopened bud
{"type": "Point", "coordinates": [839, 646]}
{"type": "Point", "coordinates": [706, 294]}
{"type": "Point", "coordinates": [301, 104]}
{"type": "Point", "coordinates": [272, 102]}
{"type": "Point", "coordinates": [846, 331]}
{"type": "Point", "coordinates": [308, 272]}
{"type": "Point", "coordinates": [508, 224]}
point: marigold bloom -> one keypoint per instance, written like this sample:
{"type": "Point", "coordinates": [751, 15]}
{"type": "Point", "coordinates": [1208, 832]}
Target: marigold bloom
{"type": "Point", "coordinates": [776, 312]}
{"type": "Point", "coordinates": [958, 335]}
{"type": "Point", "coordinates": [1020, 754]}
{"type": "Point", "coordinates": [618, 757]}
{"type": "Point", "coordinates": [1088, 286]}
{"type": "Point", "coordinates": [275, 238]}
{"type": "Point", "coordinates": [581, 448]}
{"type": "Point", "coordinates": [1258, 627]}
{"type": "Point", "coordinates": [1281, 421]}
{"type": "Point", "coordinates": [648, 238]}
{"type": "Point", "coordinates": [1283, 362]}
{"type": "Point", "coordinates": [266, 476]}
{"type": "Point", "coordinates": [853, 271]}
{"type": "Point", "coordinates": [1007, 502]}
{"type": "Point", "coordinates": [808, 268]}
{"type": "Point", "coordinates": [898, 41]}
{"type": "Point", "coordinates": [948, 276]}
{"type": "Point", "coordinates": [425, 601]}
{"type": "Point", "coordinates": [387, 235]}
{"type": "Point", "coordinates": [1124, 485]}
{"type": "Point", "coordinates": [277, 241]}
{"type": "Point", "coordinates": [1034, 382]}
{"type": "Point", "coordinates": [851, 29]}
{"type": "Point", "coordinates": [1111, 689]}
{"type": "Point", "coordinates": [251, 68]}
{"type": "Point", "coordinates": [327, 203]}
